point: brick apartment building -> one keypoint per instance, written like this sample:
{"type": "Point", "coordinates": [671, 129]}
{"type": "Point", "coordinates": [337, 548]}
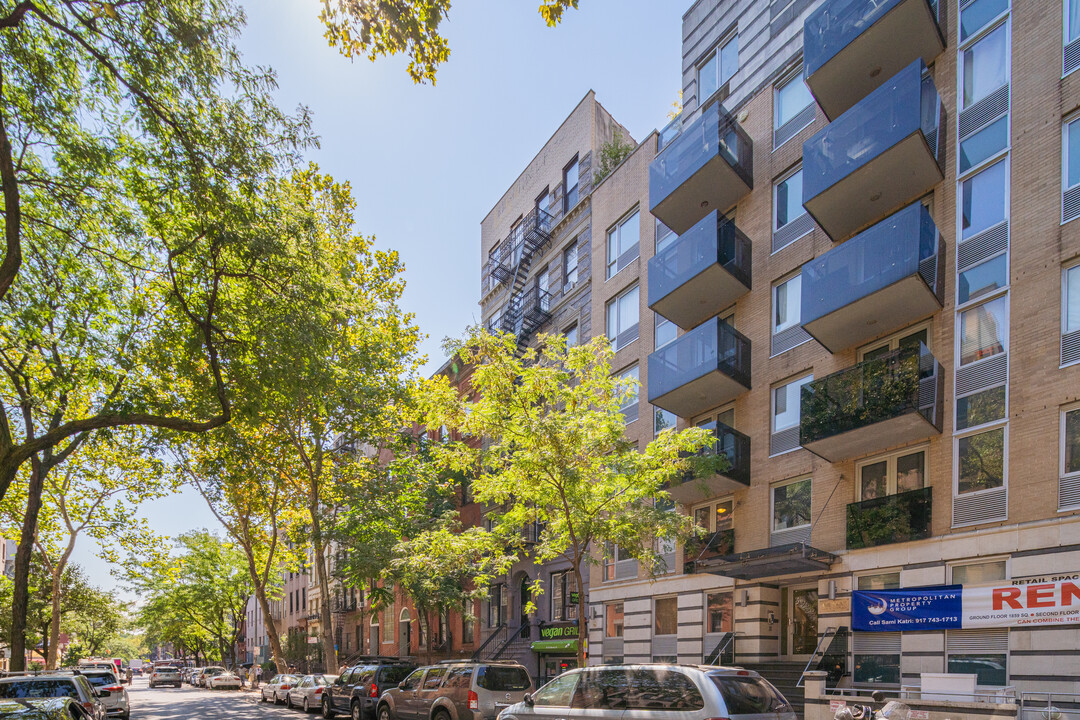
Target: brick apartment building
{"type": "Point", "coordinates": [853, 257]}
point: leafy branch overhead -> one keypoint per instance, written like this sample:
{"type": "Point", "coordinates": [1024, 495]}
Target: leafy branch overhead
{"type": "Point", "coordinates": [374, 28]}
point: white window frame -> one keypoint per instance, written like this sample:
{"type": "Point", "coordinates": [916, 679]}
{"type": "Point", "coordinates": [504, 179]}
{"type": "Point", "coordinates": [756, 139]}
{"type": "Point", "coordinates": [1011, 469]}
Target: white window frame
{"type": "Point", "coordinates": [662, 237]}
{"type": "Point", "coordinates": [772, 317]}
{"type": "Point", "coordinates": [613, 304]}
{"type": "Point", "coordinates": [608, 608]}
{"type": "Point", "coordinates": [893, 341]}
{"type": "Point", "coordinates": [878, 572]}
{"type": "Point", "coordinates": [575, 247]}
{"type": "Point", "coordinates": [891, 479]}
{"type": "Point", "coordinates": [780, 86]}
{"type": "Point", "coordinates": [1065, 410]}
{"type": "Point", "coordinates": [775, 188]}
{"type": "Point", "coordinates": [772, 503]}
{"type": "Point", "coordinates": [987, 26]}
{"type": "Point", "coordinates": [660, 321]}
{"type": "Point", "coordinates": [711, 506]}
{"type": "Point", "coordinates": [1065, 39]}
{"type": "Point", "coordinates": [983, 300]}
{"type": "Point", "coordinates": [1072, 119]}
{"type": "Point", "coordinates": [1065, 270]}
{"type": "Point", "coordinates": [982, 561]}
{"type": "Point", "coordinates": [717, 52]}
{"type": "Point", "coordinates": [615, 231]}
{"type": "Point", "coordinates": [636, 399]}
{"type": "Point", "coordinates": [657, 411]}
{"type": "Point", "coordinates": [1002, 156]}
{"type": "Point", "coordinates": [803, 379]}
{"type": "Point", "coordinates": [987, 29]}
{"type": "Point", "coordinates": [1002, 425]}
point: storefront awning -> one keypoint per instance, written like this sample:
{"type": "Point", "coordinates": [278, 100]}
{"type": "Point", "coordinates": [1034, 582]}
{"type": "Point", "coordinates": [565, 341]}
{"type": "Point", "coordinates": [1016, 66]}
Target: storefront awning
{"type": "Point", "coordinates": [768, 562]}
{"type": "Point", "coordinates": [555, 646]}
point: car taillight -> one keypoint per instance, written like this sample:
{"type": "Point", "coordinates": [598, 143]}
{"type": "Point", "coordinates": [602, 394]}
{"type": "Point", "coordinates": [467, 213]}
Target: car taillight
{"type": "Point", "coordinates": [474, 701]}
{"type": "Point", "coordinates": [318, 691]}
{"type": "Point", "coordinates": [286, 687]}
{"type": "Point", "coordinates": [374, 691]}
{"type": "Point", "coordinates": [113, 688]}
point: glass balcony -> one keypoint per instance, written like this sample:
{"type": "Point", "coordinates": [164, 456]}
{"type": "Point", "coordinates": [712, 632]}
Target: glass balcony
{"type": "Point", "coordinates": [850, 47]}
{"type": "Point", "coordinates": [709, 547]}
{"type": "Point", "coordinates": [881, 403]}
{"type": "Point", "coordinates": [890, 519]}
{"type": "Point", "coordinates": [707, 166]}
{"type": "Point", "coordinates": [883, 279]}
{"type": "Point", "coordinates": [700, 273]}
{"type": "Point", "coordinates": [706, 367]}
{"type": "Point", "coordinates": [736, 447]}
{"type": "Point", "coordinates": [877, 157]}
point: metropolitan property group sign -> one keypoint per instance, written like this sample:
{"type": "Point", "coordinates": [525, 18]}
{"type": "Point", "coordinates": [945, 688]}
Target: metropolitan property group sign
{"type": "Point", "coordinates": [1034, 601]}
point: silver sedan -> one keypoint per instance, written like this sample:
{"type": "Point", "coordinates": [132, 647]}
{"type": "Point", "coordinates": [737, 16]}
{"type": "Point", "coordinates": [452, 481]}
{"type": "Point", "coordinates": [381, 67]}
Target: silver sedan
{"type": "Point", "coordinates": [308, 693]}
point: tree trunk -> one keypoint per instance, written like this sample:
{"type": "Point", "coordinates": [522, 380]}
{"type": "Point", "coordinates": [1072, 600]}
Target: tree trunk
{"type": "Point", "coordinates": [264, 605]}
{"type": "Point", "coordinates": [20, 597]}
{"type": "Point", "coordinates": [319, 552]}
{"type": "Point", "coordinates": [582, 621]}
{"type": "Point", "coordinates": [54, 622]}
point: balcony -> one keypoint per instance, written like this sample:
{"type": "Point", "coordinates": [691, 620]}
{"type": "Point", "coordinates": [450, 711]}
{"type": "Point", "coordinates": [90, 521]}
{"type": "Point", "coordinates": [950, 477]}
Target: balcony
{"type": "Point", "coordinates": [851, 46]}
{"type": "Point", "coordinates": [706, 367]}
{"type": "Point", "coordinates": [708, 547]}
{"type": "Point", "coordinates": [877, 157]}
{"type": "Point", "coordinates": [880, 403]}
{"type": "Point", "coordinates": [702, 272]}
{"type": "Point", "coordinates": [527, 239]}
{"type": "Point", "coordinates": [708, 166]}
{"type": "Point", "coordinates": [881, 280]}
{"type": "Point", "coordinates": [890, 519]}
{"type": "Point", "coordinates": [736, 447]}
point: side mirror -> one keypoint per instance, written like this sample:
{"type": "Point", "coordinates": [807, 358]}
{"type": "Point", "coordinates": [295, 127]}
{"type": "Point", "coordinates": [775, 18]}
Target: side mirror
{"type": "Point", "coordinates": [528, 699]}
{"type": "Point", "coordinates": [401, 685]}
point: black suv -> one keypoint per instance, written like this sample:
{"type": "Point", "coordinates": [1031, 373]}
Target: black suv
{"type": "Point", "coordinates": [359, 686]}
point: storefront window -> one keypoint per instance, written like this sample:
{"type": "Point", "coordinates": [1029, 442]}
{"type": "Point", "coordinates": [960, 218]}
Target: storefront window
{"type": "Point", "coordinates": [614, 617]}
{"type": "Point", "coordinates": [666, 616]}
{"type": "Point", "coordinates": [718, 617]}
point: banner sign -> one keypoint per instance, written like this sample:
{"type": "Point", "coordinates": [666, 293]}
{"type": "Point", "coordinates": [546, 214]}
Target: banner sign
{"type": "Point", "coordinates": [1032, 601]}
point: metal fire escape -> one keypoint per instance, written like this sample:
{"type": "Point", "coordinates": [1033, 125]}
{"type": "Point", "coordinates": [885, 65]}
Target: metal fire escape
{"type": "Point", "coordinates": [529, 306]}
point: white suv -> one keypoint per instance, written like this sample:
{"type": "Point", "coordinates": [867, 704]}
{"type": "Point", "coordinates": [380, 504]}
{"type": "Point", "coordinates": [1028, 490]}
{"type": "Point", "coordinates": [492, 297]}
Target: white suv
{"type": "Point", "coordinates": [165, 675]}
{"type": "Point", "coordinates": [112, 693]}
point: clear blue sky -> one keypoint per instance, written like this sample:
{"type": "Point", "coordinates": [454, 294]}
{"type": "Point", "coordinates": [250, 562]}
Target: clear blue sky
{"type": "Point", "coordinates": [427, 163]}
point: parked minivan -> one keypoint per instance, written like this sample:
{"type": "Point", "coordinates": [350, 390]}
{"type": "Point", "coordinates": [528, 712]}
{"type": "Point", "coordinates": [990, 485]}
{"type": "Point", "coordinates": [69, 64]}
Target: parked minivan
{"type": "Point", "coordinates": [456, 690]}
{"type": "Point", "coordinates": [654, 692]}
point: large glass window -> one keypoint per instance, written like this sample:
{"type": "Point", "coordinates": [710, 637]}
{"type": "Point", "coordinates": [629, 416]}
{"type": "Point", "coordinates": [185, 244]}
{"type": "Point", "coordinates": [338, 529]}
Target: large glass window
{"type": "Point", "coordinates": [787, 304]}
{"type": "Point", "coordinates": [1070, 441]}
{"type": "Point", "coordinates": [787, 200]}
{"type": "Point", "coordinates": [898, 473]}
{"type": "Point", "coordinates": [786, 404]}
{"type": "Point", "coordinates": [983, 331]}
{"type": "Point", "coordinates": [622, 243]}
{"type": "Point", "coordinates": [982, 279]}
{"type": "Point", "coordinates": [622, 318]}
{"type": "Point", "coordinates": [977, 14]}
{"type": "Point", "coordinates": [613, 625]}
{"type": "Point", "coordinates": [717, 68]}
{"type": "Point", "coordinates": [791, 505]}
{"type": "Point", "coordinates": [984, 144]}
{"type": "Point", "coordinates": [1070, 304]}
{"type": "Point", "coordinates": [570, 184]}
{"type": "Point", "coordinates": [570, 263]}
{"type": "Point", "coordinates": [715, 516]}
{"type": "Point", "coordinates": [666, 616]}
{"type": "Point", "coordinates": [791, 98]}
{"type": "Point", "coordinates": [980, 408]}
{"type": "Point", "coordinates": [984, 199]}
{"type": "Point", "coordinates": [985, 66]}
{"type": "Point", "coordinates": [981, 461]}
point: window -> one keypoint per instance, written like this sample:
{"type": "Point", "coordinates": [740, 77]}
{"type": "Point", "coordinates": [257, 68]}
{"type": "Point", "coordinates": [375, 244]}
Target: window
{"type": "Point", "coordinates": [564, 596]}
{"type": "Point", "coordinates": [1070, 442]}
{"type": "Point", "coordinates": [665, 236]}
{"type": "Point", "coordinates": [976, 15]}
{"type": "Point", "coordinates": [558, 692]}
{"type": "Point", "coordinates": [715, 516]}
{"type": "Point", "coordinates": [303, 598]}
{"type": "Point", "coordinates": [543, 286]}
{"type": "Point", "coordinates": [897, 473]}
{"type": "Point", "coordinates": [980, 461]}
{"type": "Point", "coordinates": [570, 184]}
{"type": "Point", "coordinates": [629, 405]}
{"type": "Point", "coordinates": [434, 678]}
{"type": "Point", "coordinates": [984, 144]}
{"type": "Point", "coordinates": [622, 243]}
{"type": "Point", "coordinates": [663, 690]}
{"type": "Point", "coordinates": [468, 625]}
{"type": "Point", "coordinates": [980, 408]}
{"type": "Point", "coordinates": [717, 68]}
{"type": "Point", "coordinates": [497, 605]}
{"type": "Point", "coordinates": [983, 331]}
{"type": "Point", "coordinates": [570, 264]}
{"type": "Point", "coordinates": [543, 202]}
{"type": "Point", "coordinates": [1072, 20]}
{"type": "Point", "coordinates": [571, 335]}
{"type": "Point", "coordinates": [787, 200]}
{"type": "Point", "coordinates": [619, 564]}
{"type": "Point", "coordinates": [907, 338]}
{"type": "Point", "coordinates": [663, 420]}
{"type": "Point", "coordinates": [983, 279]}
{"type": "Point", "coordinates": [1070, 168]}
{"type": "Point", "coordinates": [666, 616]}
{"type": "Point", "coordinates": [979, 573]}
{"type": "Point", "coordinates": [622, 318]}
{"type": "Point", "coordinates": [984, 66]}
{"type": "Point", "coordinates": [791, 505]}
{"type": "Point", "coordinates": [786, 404]}
{"type": "Point", "coordinates": [982, 652]}
{"type": "Point", "coordinates": [787, 304]}
{"type": "Point", "coordinates": [613, 626]}
{"type": "Point", "coordinates": [664, 331]}
{"type": "Point", "coordinates": [719, 612]}
{"type": "Point", "coordinates": [791, 99]}
{"type": "Point", "coordinates": [881, 581]}
{"type": "Point", "coordinates": [984, 199]}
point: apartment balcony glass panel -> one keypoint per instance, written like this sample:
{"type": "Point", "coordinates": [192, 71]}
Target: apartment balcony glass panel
{"type": "Point", "coordinates": [702, 272]}
{"type": "Point", "coordinates": [877, 404]}
{"type": "Point", "coordinates": [877, 157]}
{"type": "Point", "coordinates": [850, 47]}
{"type": "Point", "coordinates": [707, 166]}
{"type": "Point", "coordinates": [890, 519]}
{"type": "Point", "coordinates": [730, 443]}
{"type": "Point", "coordinates": [883, 279]}
{"type": "Point", "coordinates": [708, 548]}
{"type": "Point", "coordinates": [706, 367]}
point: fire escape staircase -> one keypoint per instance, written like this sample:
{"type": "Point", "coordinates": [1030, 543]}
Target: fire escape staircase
{"type": "Point", "coordinates": [529, 307]}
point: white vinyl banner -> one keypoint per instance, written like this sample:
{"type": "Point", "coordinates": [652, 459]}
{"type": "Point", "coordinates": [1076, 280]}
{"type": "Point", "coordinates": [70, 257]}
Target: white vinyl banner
{"type": "Point", "coordinates": [1051, 600]}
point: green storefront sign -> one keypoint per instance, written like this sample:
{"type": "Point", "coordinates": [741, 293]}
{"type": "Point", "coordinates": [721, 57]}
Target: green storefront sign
{"type": "Point", "coordinates": [557, 638]}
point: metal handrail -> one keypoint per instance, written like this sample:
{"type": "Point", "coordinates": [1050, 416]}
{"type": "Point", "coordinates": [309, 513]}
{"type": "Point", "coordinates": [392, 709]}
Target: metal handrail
{"type": "Point", "coordinates": [491, 638]}
{"type": "Point", "coordinates": [718, 652]}
{"type": "Point", "coordinates": [829, 633]}
{"type": "Point", "coordinates": [513, 638]}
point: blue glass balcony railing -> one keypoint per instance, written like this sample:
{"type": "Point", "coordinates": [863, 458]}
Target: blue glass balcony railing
{"type": "Point", "coordinates": [707, 166]}
{"type": "Point", "coordinates": [883, 279]}
{"type": "Point", "coordinates": [877, 157]}
{"type": "Point", "coordinates": [700, 273]}
{"type": "Point", "coordinates": [705, 368]}
{"type": "Point", "coordinates": [850, 47]}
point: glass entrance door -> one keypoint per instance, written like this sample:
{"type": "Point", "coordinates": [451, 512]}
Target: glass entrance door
{"type": "Point", "coordinates": [800, 618]}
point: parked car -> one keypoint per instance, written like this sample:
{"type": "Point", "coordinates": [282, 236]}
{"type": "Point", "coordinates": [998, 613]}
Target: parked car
{"type": "Point", "coordinates": [223, 680]}
{"type": "Point", "coordinates": [53, 685]}
{"type": "Point", "coordinates": [308, 692]}
{"type": "Point", "coordinates": [165, 675]}
{"type": "Point", "coordinates": [278, 687]}
{"type": "Point", "coordinates": [671, 692]}
{"type": "Point", "coordinates": [193, 676]}
{"type": "Point", "coordinates": [44, 709]}
{"type": "Point", "coordinates": [358, 689]}
{"type": "Point", "coordinates": [111, 691]}
{"type": "Point", "coordinates": [209, 672]}
{"type": "Point", "coordinates": [456, 691]}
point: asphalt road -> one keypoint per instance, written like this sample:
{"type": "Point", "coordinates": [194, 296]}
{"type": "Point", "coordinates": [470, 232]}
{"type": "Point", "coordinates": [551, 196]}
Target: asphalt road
{"type": "Point", "coordinates": [188, 703]}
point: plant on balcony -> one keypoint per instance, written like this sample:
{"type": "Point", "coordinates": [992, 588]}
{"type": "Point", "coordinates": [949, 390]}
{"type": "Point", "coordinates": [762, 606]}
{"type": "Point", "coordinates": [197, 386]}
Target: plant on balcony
{"type": "Point", "coordinates": [612, 153]}
{"type": "Point", "coordinates": [891, 519]}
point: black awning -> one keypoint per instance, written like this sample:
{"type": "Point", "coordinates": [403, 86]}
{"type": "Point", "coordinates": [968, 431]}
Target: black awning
{"type": "Point", "coordinates": [768, 562]}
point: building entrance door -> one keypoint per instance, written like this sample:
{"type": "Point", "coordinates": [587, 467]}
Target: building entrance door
{"type": "Point", "coordinates": [799, 618]}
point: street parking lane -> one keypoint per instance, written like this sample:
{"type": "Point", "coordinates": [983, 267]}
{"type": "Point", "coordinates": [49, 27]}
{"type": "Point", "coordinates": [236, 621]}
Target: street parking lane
{"type": "Point", "coordinates": [188, 703]}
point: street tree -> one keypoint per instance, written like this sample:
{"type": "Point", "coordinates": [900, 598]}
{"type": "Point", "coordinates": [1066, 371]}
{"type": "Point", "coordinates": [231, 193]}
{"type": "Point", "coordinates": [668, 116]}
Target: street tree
{"type": "Point", "coordinates": [555, 456]}
{"type": "Point", "coordinates": [99, 623]}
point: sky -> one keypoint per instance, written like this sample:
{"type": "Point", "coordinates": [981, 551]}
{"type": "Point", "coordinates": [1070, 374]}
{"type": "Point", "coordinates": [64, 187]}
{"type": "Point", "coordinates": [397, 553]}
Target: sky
{"type": "Point", "coordinates": [426, 163]}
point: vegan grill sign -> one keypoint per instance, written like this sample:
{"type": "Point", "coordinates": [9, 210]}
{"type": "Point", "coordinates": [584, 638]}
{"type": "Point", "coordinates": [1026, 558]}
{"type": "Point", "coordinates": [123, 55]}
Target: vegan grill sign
{"type": "Point", "coordinates": [1017, 603]}
{"type": "Point", "coordinates": [559, 632]}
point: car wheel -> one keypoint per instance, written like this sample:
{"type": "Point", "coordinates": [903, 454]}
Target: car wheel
{"type": "Point", "coordinates": [357, 713]}
{"type": "Point", "coordinates": [441, 715]}
{"type": "Point", "coordinates": [326, 711]}
{"type": "Point", "coordinates": [384, 713]}
{"type": "Point", "coordinates": [262, 696]}
{"type": "Point", "coordinates": [306, 708]}
{"type": "Point", "coordinates": [276, 701]}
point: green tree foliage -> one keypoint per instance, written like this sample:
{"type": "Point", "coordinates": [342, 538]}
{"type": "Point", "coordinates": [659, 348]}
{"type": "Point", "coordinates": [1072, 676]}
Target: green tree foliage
{"type": "Point", "coordinates": [612, 153]}
{"type": "Point", "coordinates": [555, 454]}
{"type": "Point", "coordinates": [408, 27]}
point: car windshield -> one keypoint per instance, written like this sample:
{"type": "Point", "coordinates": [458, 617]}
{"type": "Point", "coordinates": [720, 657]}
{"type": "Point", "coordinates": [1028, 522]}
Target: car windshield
{"type": "Point", "coordinates": [214, 671]}
{"type": "Point", "coordinates": [38, 689]}
{"type": "Point", "coordinates": [394, 674]}
{"type": "Point", "coordinates": [100, 679]}
{"type": "Point", "coordinates": [746, 695]}
{"type": "Point", "coordinates": [501, 679]}
{"type": "Point", "coordinates": [325, 679]}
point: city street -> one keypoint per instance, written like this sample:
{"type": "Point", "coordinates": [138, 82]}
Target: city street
{"type": "Point", "coordinates": [188, 702]}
